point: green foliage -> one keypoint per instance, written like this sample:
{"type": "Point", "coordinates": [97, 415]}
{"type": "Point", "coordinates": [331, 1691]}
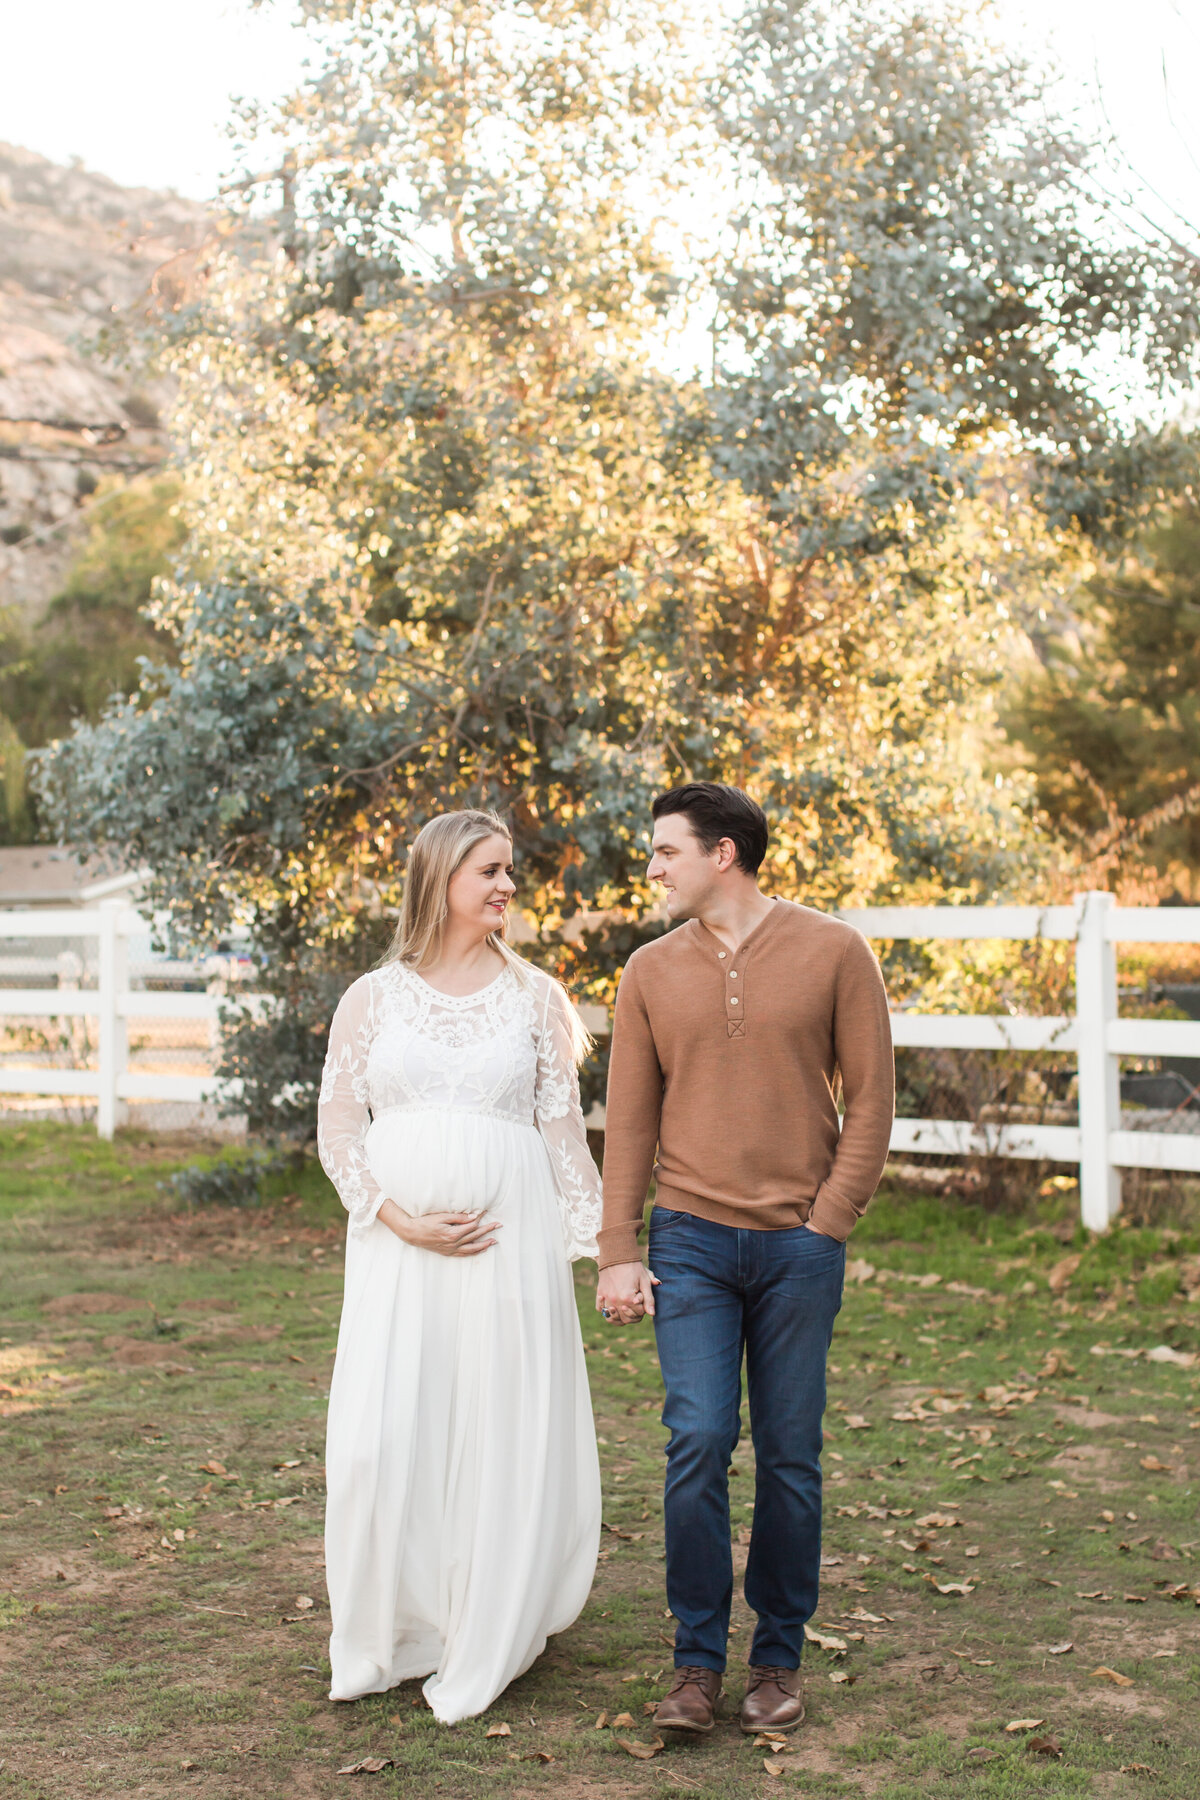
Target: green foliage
{"type": "Point", "coordinates": [224, 1180]}
{"type": "Point", "coordinates": [93, 638]}
{"type": "Point", "coordinates": [95, 632]}
{"type": "Point", "coordinates": [1111, 720]}
{"type": "Point", "coordinates": [456, 535]}
{"type": "Point", "coordinates": [916, 255]}
{"type": "Point", "coordinates": [14, 803]}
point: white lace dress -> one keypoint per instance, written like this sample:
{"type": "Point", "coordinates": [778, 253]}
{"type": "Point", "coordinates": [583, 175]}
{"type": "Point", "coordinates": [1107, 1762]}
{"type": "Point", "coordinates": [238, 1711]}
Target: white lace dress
{"type": "Point", "coordinates": [463, 1514]}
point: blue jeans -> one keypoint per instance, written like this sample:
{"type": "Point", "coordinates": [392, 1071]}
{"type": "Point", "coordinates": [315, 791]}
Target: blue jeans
{"type": "Point", "coordinates": [775, 1296]}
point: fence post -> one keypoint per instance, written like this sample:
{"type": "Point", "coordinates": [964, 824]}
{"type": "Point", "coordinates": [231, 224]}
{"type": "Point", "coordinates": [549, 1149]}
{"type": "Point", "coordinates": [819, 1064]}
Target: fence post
{"type": "Point", "coordinates": [113, 1031]}
{"type": "Point", "coordinates": [1099, 1073]}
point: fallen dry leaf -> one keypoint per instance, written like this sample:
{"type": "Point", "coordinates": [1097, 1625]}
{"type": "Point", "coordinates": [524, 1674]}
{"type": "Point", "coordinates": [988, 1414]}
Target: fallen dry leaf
{"type": "Point", "coordinates": [506, 1730]}
{"type": "Point", "coordinates": [539, 1756]}
{"type": "Point", "coordinates": [370, 1765]}
{"type": "Point", "coordinates": [1113, 1675]}
{"type": "Point", "coordinates": [1155, 1466]}
{"type": "Point", "coordinates": [936, 1521]}
{"type": "Point", "coordinates": [859, 1270]}
{"type": "Point", "coordinates": [625, 1720]}
{"type": "Point", "coordinates": [602, 1722]}
{"type": "Point", "coordinates": [953, 1587]}
{"type": "Point", "coordinates": [773, 1766]}
{"type": "Point", "coordinates": [1136, 1769]}
{"type": "Point", "coordinates": [1044, 1746]}
{"type": "Point", "coordinates": [1062, 1272]}
{"type": "Point", "coordinates": [770, 1740]}
{"type": "Point", "coordinates": [303, 1603]}
{"type": "Point", "coordinates": [1163, 1353]}
{"type": "Point", "coordinates": [824, 1640]}
{"type": "Point", "coordinates": [1092, 1594]}
{"type": "Point", "coordinates": [213, 1468]}
{"type": "Point", "coordinates": [979, 1753]}
{"type": "Point", "coordinates": [1024, 1724]}
{"type": "Point", "coordinates": [643, 1752]}
{"type": "Point", "coordinates": [856, 1422]}
{"type": "Point", "coordinates": [842, 1679]}
{"type": "Point", "coordinates": [1060, 1649]}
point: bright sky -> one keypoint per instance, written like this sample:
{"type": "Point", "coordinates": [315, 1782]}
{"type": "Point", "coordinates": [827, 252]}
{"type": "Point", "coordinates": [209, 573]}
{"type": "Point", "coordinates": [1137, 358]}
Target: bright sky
{"type": "Point", "coordinates": [140, 89]}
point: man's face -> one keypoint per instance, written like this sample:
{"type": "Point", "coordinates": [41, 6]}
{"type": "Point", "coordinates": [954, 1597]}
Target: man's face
{"type": "Point", "coordinates": [680, 863]}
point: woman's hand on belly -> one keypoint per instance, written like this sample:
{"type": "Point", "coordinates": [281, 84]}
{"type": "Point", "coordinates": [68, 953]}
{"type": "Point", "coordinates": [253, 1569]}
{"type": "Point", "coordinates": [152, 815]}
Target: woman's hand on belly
{"type": "Point", "coordinates": [446, 1233]}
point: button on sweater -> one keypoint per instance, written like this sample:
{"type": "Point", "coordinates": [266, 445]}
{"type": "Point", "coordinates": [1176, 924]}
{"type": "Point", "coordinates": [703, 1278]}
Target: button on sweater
{"type": "Point", "coordinates": [727, 1063]}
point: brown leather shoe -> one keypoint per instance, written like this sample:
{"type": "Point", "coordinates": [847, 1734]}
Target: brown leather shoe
{"type": "Point", "coordinates": [691, 1702]}
{"type": "Point", "coordinates": [773, 1701]}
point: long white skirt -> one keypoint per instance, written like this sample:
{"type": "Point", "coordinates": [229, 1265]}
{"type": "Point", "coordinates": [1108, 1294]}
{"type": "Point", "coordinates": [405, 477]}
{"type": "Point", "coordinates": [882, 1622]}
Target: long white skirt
{"type": "Point", "coordinates": [463, 1514]}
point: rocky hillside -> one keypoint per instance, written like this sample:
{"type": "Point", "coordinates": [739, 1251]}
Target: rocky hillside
{"type": "Point", "coordinates": [77, 254]}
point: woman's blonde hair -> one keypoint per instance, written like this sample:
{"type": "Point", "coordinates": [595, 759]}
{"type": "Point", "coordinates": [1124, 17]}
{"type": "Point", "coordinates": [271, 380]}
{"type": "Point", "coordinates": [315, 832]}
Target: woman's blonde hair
{"type": "Point", "coordinates": [437, 853]}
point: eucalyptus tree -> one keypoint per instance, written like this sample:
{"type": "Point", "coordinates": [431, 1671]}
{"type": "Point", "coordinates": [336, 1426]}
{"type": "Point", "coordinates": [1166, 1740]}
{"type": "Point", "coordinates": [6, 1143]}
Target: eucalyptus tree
{"type": "Point", "coordinates": [911, 326]}
{"type": "Point", "coordinates": [457, 532]}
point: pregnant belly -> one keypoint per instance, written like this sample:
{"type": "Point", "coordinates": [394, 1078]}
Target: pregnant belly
{"type": "Point", "coordinates": [450, 1161]}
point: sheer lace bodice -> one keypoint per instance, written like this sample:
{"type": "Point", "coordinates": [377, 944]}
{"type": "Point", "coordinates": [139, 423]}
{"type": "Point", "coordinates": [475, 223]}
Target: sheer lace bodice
{"type": "Point", "coordinates": [505, 1052]}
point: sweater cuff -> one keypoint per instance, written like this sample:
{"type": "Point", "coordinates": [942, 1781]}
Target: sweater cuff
{"type": "Point", "coordinates": [832, 1215]}
{"type": "Point", "coordinates": [618, 1244]}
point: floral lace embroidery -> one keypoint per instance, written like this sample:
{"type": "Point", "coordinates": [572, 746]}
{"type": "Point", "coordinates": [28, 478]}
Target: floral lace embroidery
{"type": "Point", "coordinates": [505, 1051]}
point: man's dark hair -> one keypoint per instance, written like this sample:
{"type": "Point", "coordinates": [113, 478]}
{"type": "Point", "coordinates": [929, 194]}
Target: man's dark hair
{"type": "Point", "coordinates": [715, 811]}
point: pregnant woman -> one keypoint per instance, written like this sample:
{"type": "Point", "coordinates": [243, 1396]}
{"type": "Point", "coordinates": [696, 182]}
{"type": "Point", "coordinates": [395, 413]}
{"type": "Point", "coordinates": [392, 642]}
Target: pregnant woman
{"type": "Point", "coordinates": [463, 1514]}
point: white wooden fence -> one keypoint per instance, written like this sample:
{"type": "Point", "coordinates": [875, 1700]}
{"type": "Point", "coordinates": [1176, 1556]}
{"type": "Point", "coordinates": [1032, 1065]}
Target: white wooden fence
{"type": "Point", "coordinates": [1095, 1034]}
{"type": "Point", "coordinates": [106, 930]}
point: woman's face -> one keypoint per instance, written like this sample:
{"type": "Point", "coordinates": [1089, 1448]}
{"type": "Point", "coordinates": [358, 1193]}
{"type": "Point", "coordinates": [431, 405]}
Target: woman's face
{"type": "Point", "coordinates": [482, 886]}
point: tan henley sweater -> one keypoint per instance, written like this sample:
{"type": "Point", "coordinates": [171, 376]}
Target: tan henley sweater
{"type": "Point", "coordinates": [726, 1060]}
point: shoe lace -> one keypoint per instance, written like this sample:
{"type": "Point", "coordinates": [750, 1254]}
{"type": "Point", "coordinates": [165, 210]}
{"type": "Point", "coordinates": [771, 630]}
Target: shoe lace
{"type": "Point", "coordinates": [689, 1677]}
{"type": "Point", "coordinates": [763, 1673]}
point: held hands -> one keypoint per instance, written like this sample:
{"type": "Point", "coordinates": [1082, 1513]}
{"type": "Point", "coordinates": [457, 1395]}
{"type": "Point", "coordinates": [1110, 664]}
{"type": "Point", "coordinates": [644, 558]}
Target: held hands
{"type": "Point", "coordinates": [625, 1293]}
{"type": "Point", "coordinates": [447, 1233]}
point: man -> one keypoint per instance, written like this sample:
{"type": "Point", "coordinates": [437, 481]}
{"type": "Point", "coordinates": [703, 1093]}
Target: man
{"type": "Point", "coordinates": [729, 1035]}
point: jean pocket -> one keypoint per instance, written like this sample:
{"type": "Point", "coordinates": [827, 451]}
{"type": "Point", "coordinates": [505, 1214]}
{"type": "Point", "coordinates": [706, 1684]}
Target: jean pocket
{"type": "Point", "coordinates": [821, 1239]}
{"type": "Point", "coordinates": [665, 1218]}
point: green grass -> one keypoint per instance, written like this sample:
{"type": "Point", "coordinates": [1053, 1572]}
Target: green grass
{"type": "Point", "coordinates": [141, 1343]}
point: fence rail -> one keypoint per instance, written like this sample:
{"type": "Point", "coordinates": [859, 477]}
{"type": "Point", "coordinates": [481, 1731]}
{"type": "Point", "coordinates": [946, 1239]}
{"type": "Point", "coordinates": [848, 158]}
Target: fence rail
{"type": "Point", "coordinates": [1094, 1034]}
{"type": "Point", "coordinates": [106, 997]}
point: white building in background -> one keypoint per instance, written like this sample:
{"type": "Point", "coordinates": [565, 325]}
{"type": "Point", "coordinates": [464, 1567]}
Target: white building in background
{"type": "Point", "coordinates": [45, 875]}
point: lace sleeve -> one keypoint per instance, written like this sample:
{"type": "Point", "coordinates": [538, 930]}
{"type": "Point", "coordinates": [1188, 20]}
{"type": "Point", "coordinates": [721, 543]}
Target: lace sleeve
{"type": "Point", "coordinates": [342, 1111]}
{"type": "Point", "coordinates": [560, 1121]}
